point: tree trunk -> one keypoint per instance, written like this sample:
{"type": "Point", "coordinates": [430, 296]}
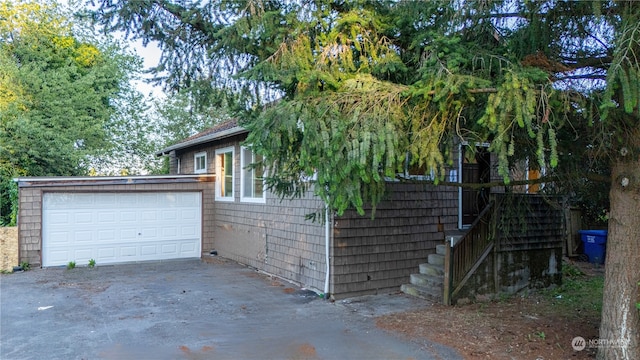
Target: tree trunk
{"type": "Point", "coordinates": [620, 325]}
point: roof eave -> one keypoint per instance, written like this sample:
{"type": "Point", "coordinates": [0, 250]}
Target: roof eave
{"type": "Point", "coordinates": [236, 130]}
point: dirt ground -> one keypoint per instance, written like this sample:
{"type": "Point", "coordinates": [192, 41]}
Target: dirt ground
{"type": "Point", "coordinates": [527, 326]}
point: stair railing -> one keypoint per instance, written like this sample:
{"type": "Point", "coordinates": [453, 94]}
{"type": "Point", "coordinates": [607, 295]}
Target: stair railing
{"type": "Point", "coordinates": [463, 257]}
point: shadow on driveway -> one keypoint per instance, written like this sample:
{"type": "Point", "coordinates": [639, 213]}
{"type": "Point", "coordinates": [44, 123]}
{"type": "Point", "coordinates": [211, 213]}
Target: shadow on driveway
{"type": "Point", "coordinates": [191, 310]}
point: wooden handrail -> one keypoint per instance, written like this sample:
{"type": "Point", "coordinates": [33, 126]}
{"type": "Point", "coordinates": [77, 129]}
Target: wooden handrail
{"type": "Point", "coordinates": [462, 258]}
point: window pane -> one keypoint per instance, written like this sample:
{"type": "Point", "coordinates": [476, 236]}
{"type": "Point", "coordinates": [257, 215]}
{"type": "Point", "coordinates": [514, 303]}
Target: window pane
{"type": "Point", "coordinates": [247, 178]}
{"type": "Point", "coordinates": [228, 175]}
{"type": "Point", "coordinates": [252, 186]}
{"type": "Point", "coordinates": [220, 175]}
{"type": "Point", "coordinates": [258, 174]}
{"type": "Point", "coordinates": [200, 162]}
{"type": "Point", "coordinates": [247, 157]}
{"type": "Point", "coordinates": [258, 187]}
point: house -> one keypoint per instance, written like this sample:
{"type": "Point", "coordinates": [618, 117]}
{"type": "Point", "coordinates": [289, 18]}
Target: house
{"type": "Point", "coordinates": [257, 228]}
{"type": "Point", "coordinates": [211, 203]}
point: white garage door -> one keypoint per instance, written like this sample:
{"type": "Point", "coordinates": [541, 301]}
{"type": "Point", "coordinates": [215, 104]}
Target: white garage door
{"type": "Point", "coordinates": [120, 227]}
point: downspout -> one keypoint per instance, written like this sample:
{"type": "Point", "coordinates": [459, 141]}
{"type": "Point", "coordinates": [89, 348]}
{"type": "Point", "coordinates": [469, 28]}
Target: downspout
{"type": "Point", "coordinates": [327, 239]}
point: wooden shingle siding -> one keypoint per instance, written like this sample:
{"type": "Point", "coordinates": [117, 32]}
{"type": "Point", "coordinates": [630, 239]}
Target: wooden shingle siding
{"type": "Point", "coordinates": [527, 222]}
{"type": "Point", "coordinates": [273, 236]}
{"type": "Point", "coordinates": [367, 256]}
{"type": "Point", "coordinates": [528, 247]}
{"type": "Point", "coordinates": [377, 255]}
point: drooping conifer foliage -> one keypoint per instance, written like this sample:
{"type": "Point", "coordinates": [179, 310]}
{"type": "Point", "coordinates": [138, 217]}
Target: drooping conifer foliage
{"type": "Point", "coordinates": [346, 90]}
{"type": "Point", "coordinates": [350, 92]}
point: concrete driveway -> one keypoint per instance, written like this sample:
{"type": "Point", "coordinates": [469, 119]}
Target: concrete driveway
{"type": "Point", "coordinates": [191, 310]}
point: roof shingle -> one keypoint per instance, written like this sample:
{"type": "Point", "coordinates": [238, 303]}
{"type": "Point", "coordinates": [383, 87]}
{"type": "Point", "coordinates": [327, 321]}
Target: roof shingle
{"type": "Point", "coordinates": [224, 129]}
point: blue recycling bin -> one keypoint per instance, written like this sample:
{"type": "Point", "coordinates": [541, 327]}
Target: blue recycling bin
{"type": "Point", "coordinates": [595, 245]}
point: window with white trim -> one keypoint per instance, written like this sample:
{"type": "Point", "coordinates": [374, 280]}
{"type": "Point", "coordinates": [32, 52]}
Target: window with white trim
{"type": "Point", "coordinates": [200, 163]}
{"type": "Point", "coordinates": [416, 171]}
{"type": "Point", "coordinates": [251, 178]}
{"type": "Point", "coordinates": [224, 174]}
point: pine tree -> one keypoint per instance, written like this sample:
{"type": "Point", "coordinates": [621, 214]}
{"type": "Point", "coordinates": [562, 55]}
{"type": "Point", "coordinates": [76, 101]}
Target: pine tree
{"type": "Point", "coordinates": [346, 90]}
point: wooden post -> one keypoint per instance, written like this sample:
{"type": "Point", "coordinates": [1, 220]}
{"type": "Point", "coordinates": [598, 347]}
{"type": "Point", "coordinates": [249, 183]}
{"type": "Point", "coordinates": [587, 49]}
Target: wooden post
{"type": "Point", "coordinates": [448, 273]}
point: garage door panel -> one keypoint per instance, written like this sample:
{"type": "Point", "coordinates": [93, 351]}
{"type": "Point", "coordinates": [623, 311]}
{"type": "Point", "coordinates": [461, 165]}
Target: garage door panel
{"type": "Point", "coordinates": [106, 235]}
{"type": "Point", "coordinates": [129, 234]}
{"type": "Point", "coordinates": [188, 247]}
{"type": "Point", "coordinates": [128, 251]}
{"type": "Point", "coordinates": [120, 227]}
{"type": "Point", "coordinates": [149, 233]}
{"type": "Point", "coordinates": [60, 238]}
{"type": "Point", "coordinates": [83, 217]}
{"type": "Point", "coordinates": [149, 216]}
{"type": "Point", "coordinates": [105, 254]}
{"type": "Point", "coordinates": [105, 198]}
{"type": "Point", "coordinates": [128, 202]}
{"type": "Point", "coordinates": [169, 249]}
{"type": "Point", "coordinates": [60, 256]}
{"type": "Point", "coordinates": [59, 218]}
{"type": "Point", "coordinates": [127, 217]}
{"type": "Point", "coordinates": [186, 231]}
{"type": "Point", "coordinates": [85, 236]}
{"type": "Point", "coordinates": [82, 201]}
{"type": "Point", "coordinates": [171, 215]}
{"type": "Point", "coordinates": [169, 200]}
{"type": "Point", "coordinates": [187, 214]}
{"type": "Point", "coordinates": [187, 199]}
{"type": "Point", "coordinates": [107, 217]}
{"type": "Point", "coordinates": [82, 256]}
{"type": "Point", "coordinates": [169, 233]}
{"type": "Point", "coordinates": [149, 200]}
{"type": "Point", "coordinates": [146, 250]}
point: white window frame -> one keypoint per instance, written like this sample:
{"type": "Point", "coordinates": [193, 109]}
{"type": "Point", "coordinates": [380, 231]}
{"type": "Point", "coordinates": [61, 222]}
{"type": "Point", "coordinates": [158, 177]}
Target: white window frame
{"type": "Point", "coordinates": [406, 174]}
{"type": "Point", "coordinates": [220, 179]}
{"type": "Point", "coordinates": [243, 164]}
{"type": "Point", "coordinates": [202, 154]}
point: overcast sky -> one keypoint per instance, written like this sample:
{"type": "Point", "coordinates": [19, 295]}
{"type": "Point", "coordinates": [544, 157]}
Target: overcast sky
{"type": "Point", "coordinates": [150, 54]}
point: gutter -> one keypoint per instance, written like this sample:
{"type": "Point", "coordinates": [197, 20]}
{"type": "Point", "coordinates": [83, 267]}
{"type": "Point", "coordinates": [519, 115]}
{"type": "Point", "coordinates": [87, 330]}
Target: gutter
{"type": "Point", "coordinates": [327, 225]}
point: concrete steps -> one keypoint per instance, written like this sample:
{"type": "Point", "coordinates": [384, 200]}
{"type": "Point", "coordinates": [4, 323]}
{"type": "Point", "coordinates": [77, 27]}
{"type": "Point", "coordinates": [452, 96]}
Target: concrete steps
{"type": "Point", "coordinates": [423, 292]}
{"type": "Point", "coordinates": [430, 269]}
{"type": "Point", "coordinates": [426, 280]}
{"type": "Point", "coordinates": [427, 284]}
{"type": "Point", "coordinates": [436, 259]}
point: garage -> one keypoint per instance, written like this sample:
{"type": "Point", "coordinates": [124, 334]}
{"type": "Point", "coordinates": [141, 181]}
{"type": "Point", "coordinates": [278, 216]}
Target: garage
{"type": "Point", "coordinates": [120, 227]}
{"type": "Point", "coordinates": [114, 219]}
